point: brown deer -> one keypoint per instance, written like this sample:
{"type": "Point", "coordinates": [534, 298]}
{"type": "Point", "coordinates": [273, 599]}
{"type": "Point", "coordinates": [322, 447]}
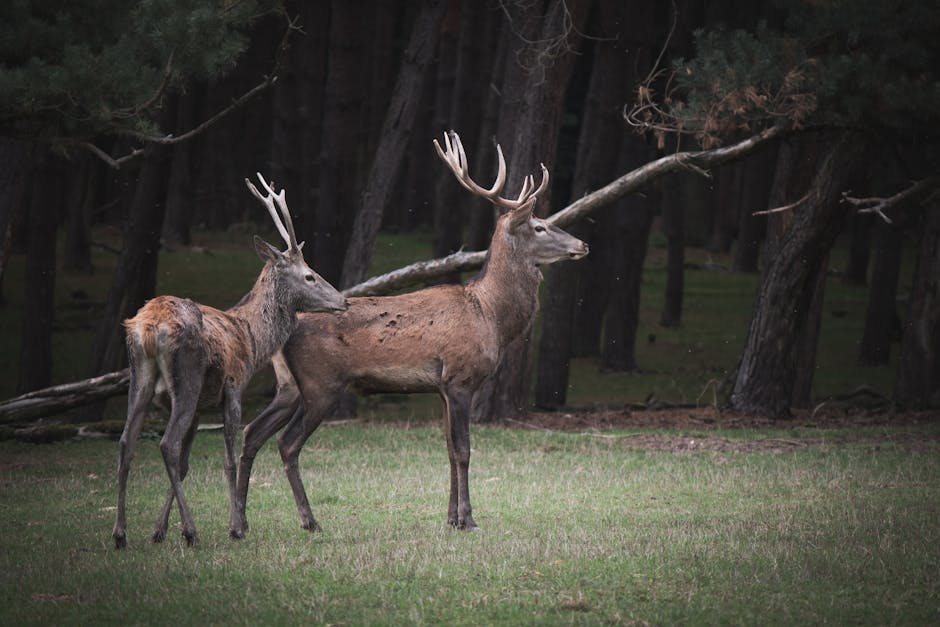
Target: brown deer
{"type": "Point", "coordinates": [445, 339]}
{"type": "Point", "coordinates": [188, 356]}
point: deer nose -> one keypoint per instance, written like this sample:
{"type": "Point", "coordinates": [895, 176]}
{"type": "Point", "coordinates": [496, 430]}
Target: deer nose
{"type": "Point", "coordinates": [581, 252]}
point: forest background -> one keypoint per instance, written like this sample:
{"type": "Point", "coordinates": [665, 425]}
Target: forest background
{"type": "Point", "coordinates": [147, 118]}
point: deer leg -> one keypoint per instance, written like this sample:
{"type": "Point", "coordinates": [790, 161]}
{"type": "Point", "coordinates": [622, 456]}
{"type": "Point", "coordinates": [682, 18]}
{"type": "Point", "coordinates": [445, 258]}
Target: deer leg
{"type": "Point", "coordinates": [285, 407]}
{"type": "Point", "coordinates": [232, 421]}
{"type": "Point", "coordinates": [142, 382]}
{"type": "Point", "coordinates": [292, 440]}
{"type": "Point", "coordinates": [188, 369]}
{"type": "Point", "coordinates": [163, 521]}
{"type": "Point", "coordinates": [458, 445]}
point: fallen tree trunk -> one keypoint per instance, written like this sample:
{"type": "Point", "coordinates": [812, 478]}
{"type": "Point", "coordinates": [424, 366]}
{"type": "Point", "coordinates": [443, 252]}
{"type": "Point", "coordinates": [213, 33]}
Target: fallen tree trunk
{"type": "Point", "coordinates": [60, 398]}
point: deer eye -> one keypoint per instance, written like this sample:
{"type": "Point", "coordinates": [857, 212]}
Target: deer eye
{"type": "Point", "coordinates": [310, 278]}
{"type": "Point", "coordinates": [539, 229]}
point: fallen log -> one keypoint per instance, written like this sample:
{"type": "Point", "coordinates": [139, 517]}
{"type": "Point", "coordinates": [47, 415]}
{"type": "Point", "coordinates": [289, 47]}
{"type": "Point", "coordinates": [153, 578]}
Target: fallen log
{"type": "Point", "coordinates": [60, 398]}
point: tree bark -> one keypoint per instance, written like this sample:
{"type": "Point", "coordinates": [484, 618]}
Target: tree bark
{"type": "Point", "coordinates": [348, 63]}
{"type": "Point", "coordinates": [82, 198]}
{"type": "Point", "coordinates": [599, 143]}
{"type": "Point", "coordinates": [758, 172]}
{"type": "Point", "coordinates": [764, 382]}
{"type": "Point", "coordinates": [396, 131]}
{"type": "Point", "coordinates": [633, 220]}
{"type": "Point", "coordinates": [881, 315]}
{"type": "Point", "coordinates": [48, 196]}
{"type": "Point", "coordinates": [918, 379]}
{"type": "Point", "coordinates": [15, 158]}
{"type": "Point", "coordinates": [673, 209]}
{"type": "Point", "coordinates": [536, 124]}
{"type": "Point", "coordinates": [856, 270]}
{"type": "Point", "coordinates": [134, 276]}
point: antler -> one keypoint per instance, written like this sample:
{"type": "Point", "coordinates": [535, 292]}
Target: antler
{"type": "Point", "coordinates": [284, 226]}
{"type": "Point", "coordinates": [456, 159]}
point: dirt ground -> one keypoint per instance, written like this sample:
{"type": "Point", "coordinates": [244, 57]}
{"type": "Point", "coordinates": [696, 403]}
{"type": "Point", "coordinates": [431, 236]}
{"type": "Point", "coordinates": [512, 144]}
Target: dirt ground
{"type": "Point", "coordinates": [806, 422]}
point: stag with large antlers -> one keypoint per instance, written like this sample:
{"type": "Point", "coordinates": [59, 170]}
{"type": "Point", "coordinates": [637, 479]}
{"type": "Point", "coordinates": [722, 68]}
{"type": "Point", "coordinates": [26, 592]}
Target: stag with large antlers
{"type": "Point", "coordinates": [188, 356]}
{"type": "Point", "coordinates": [445, 339]}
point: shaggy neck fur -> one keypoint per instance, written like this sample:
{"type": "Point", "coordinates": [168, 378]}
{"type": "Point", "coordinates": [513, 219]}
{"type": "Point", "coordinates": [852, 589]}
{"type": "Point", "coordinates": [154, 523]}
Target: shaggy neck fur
{"type": "Point", "coordinates": [507, 289]}
{"type": "Point", "coordinates": [269, 319]}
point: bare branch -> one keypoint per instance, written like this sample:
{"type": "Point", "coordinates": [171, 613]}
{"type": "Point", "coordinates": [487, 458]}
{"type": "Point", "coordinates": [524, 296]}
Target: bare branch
{"type": "Point", "coordinates": [781, 209]}
{"type": "Point", "coordinates": [115, 163]}
{"type": "Point", "coordinates": [879, 206]}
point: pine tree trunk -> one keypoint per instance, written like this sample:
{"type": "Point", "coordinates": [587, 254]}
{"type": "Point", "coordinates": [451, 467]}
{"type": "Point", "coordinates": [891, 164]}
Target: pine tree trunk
{"type": "Point", "coordinates": [673, 209]}
{"type": "Point", "coordinates": [598, 149]}
{"type": "Point", "coordinates": [633, 221]}
{"type": "Point", "coordinates": [536, 124]}
{"type": "Point", "coordinates": [808, 340]}
{"type": "Point", "coordinates": [134, 276]}
{"type": "Point", "coordinates": [180, 188]}
{"type": "Point", "coordinates": [15, 158]}
{"type": "Point", "coordinates": [881, 314]}
{"type": "Point", "coordinates": [918, 379]}
{"type": "Point", "coordinates": [765, 378]}
{"type": "Point", "coordinates": [396, 132]}
{"type": "Point", "coordinates": [856, 270]}
{"type": "Point", "coordinates": [340, 171]}
{"type": "Point", "coordinates": [758, 172]}
{"type": "Point", "coordinates": [82, 195]}
{"type": "Point", "coordinates": [48, 194]}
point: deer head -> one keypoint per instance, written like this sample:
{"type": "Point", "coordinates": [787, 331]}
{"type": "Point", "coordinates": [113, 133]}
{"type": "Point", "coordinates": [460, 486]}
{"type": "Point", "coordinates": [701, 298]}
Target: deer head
{"type": "Point", "coordinates": [535, 239]}
{"type": "Point", "coordinates": [301, 287]}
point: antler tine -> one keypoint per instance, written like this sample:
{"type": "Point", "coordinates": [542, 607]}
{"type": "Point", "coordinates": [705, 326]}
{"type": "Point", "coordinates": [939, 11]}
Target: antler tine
{"type": "Point", "coordinates": [281, 200]}
{"type": "Point", "coordinates": [456, 159]}
{"type": "Point", "coordinates": [268, 202]}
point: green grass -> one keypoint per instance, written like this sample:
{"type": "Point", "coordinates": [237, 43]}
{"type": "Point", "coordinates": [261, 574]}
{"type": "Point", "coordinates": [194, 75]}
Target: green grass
{"type": "Point", "coordinates": [677, 365]}
{"type": "Point", "coordinates": [577, 529]}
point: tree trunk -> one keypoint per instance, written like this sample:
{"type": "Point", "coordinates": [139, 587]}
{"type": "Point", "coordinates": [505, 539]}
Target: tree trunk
{"type": "Point", "coordinates": [918, 380]}
{"type": "Point", "coordinates": [808, 340]}
{"type": "Point", "coordinates": [764, 382]}
{"type": "Point", "coordinates": [315, 18]}
{"type": "Point", "coordinates": [81, 201]}
{"type": "Point", "coordinates": [856, 270]}
{"type": "Point", "coordinates": [15, 157]}
{"type": "Point", "coordinates": [396, 131]}
{"type": "Point", "coordinates": [348, 63]}
{"type": "Point", "coordinates": [536, 124]}
{"type": "Point", "coordinates": [758, 172]}
{"type": "Point", "coordinates": [48, 196]}
{"type": "Point", "coordinates": [633, 220]}
{"type": "Point", "coordinates": [881, 316]}
{"type": "Point", "coordinates": [180, 188]}
{"type": "Point", "coordinates": [134, 275]}
{"type": "Point", "coordinates": [599, 143]}
{"type": "Point", "coordinates": [673, 209]}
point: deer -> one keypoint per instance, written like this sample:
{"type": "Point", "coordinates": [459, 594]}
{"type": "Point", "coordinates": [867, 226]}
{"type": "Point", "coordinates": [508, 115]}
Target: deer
{"type": "Point", "coordinates": [446, 339]}
{"type": "Point", "coordinates": [186, 356]}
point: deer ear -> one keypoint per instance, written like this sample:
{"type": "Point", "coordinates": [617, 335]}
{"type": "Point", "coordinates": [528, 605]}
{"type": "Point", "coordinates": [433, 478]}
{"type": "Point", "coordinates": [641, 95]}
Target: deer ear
{"type": "Point", "coordinates": [266, 252]}
{"type": "Point", "coordinates": [520, 216]}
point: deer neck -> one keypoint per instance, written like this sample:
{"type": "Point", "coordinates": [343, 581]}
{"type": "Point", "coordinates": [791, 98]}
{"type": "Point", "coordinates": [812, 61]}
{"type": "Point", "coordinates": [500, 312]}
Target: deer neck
{"type": "Point", "coordinates": [507, 288]}
{"type": "Point", "coordinates": [268, 319]}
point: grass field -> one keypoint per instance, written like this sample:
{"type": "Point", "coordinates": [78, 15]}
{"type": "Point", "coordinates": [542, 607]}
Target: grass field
{"type": "Point", "coordinates": [797, 526]}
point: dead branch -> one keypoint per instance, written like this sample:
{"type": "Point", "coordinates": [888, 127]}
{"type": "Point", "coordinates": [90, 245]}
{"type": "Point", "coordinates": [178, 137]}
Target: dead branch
{"type": "Point", "coordinates": [783, 208]}
{"type": "Point", "coordinates": [59, 398]}
{"type": "Point", "coordinates": [879, 205]}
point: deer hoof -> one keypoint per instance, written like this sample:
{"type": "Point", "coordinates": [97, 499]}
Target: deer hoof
{"type": "Point", "coordinates": [236, 534]}
{"type": "Point", "coordinates": [312, 526]}
{"type": "Point", "coordinates": [158, 536]}
{"type": "Point", "coordinates": [190, 538]}
{"type": "Point", "coordinates": [120, 541]}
